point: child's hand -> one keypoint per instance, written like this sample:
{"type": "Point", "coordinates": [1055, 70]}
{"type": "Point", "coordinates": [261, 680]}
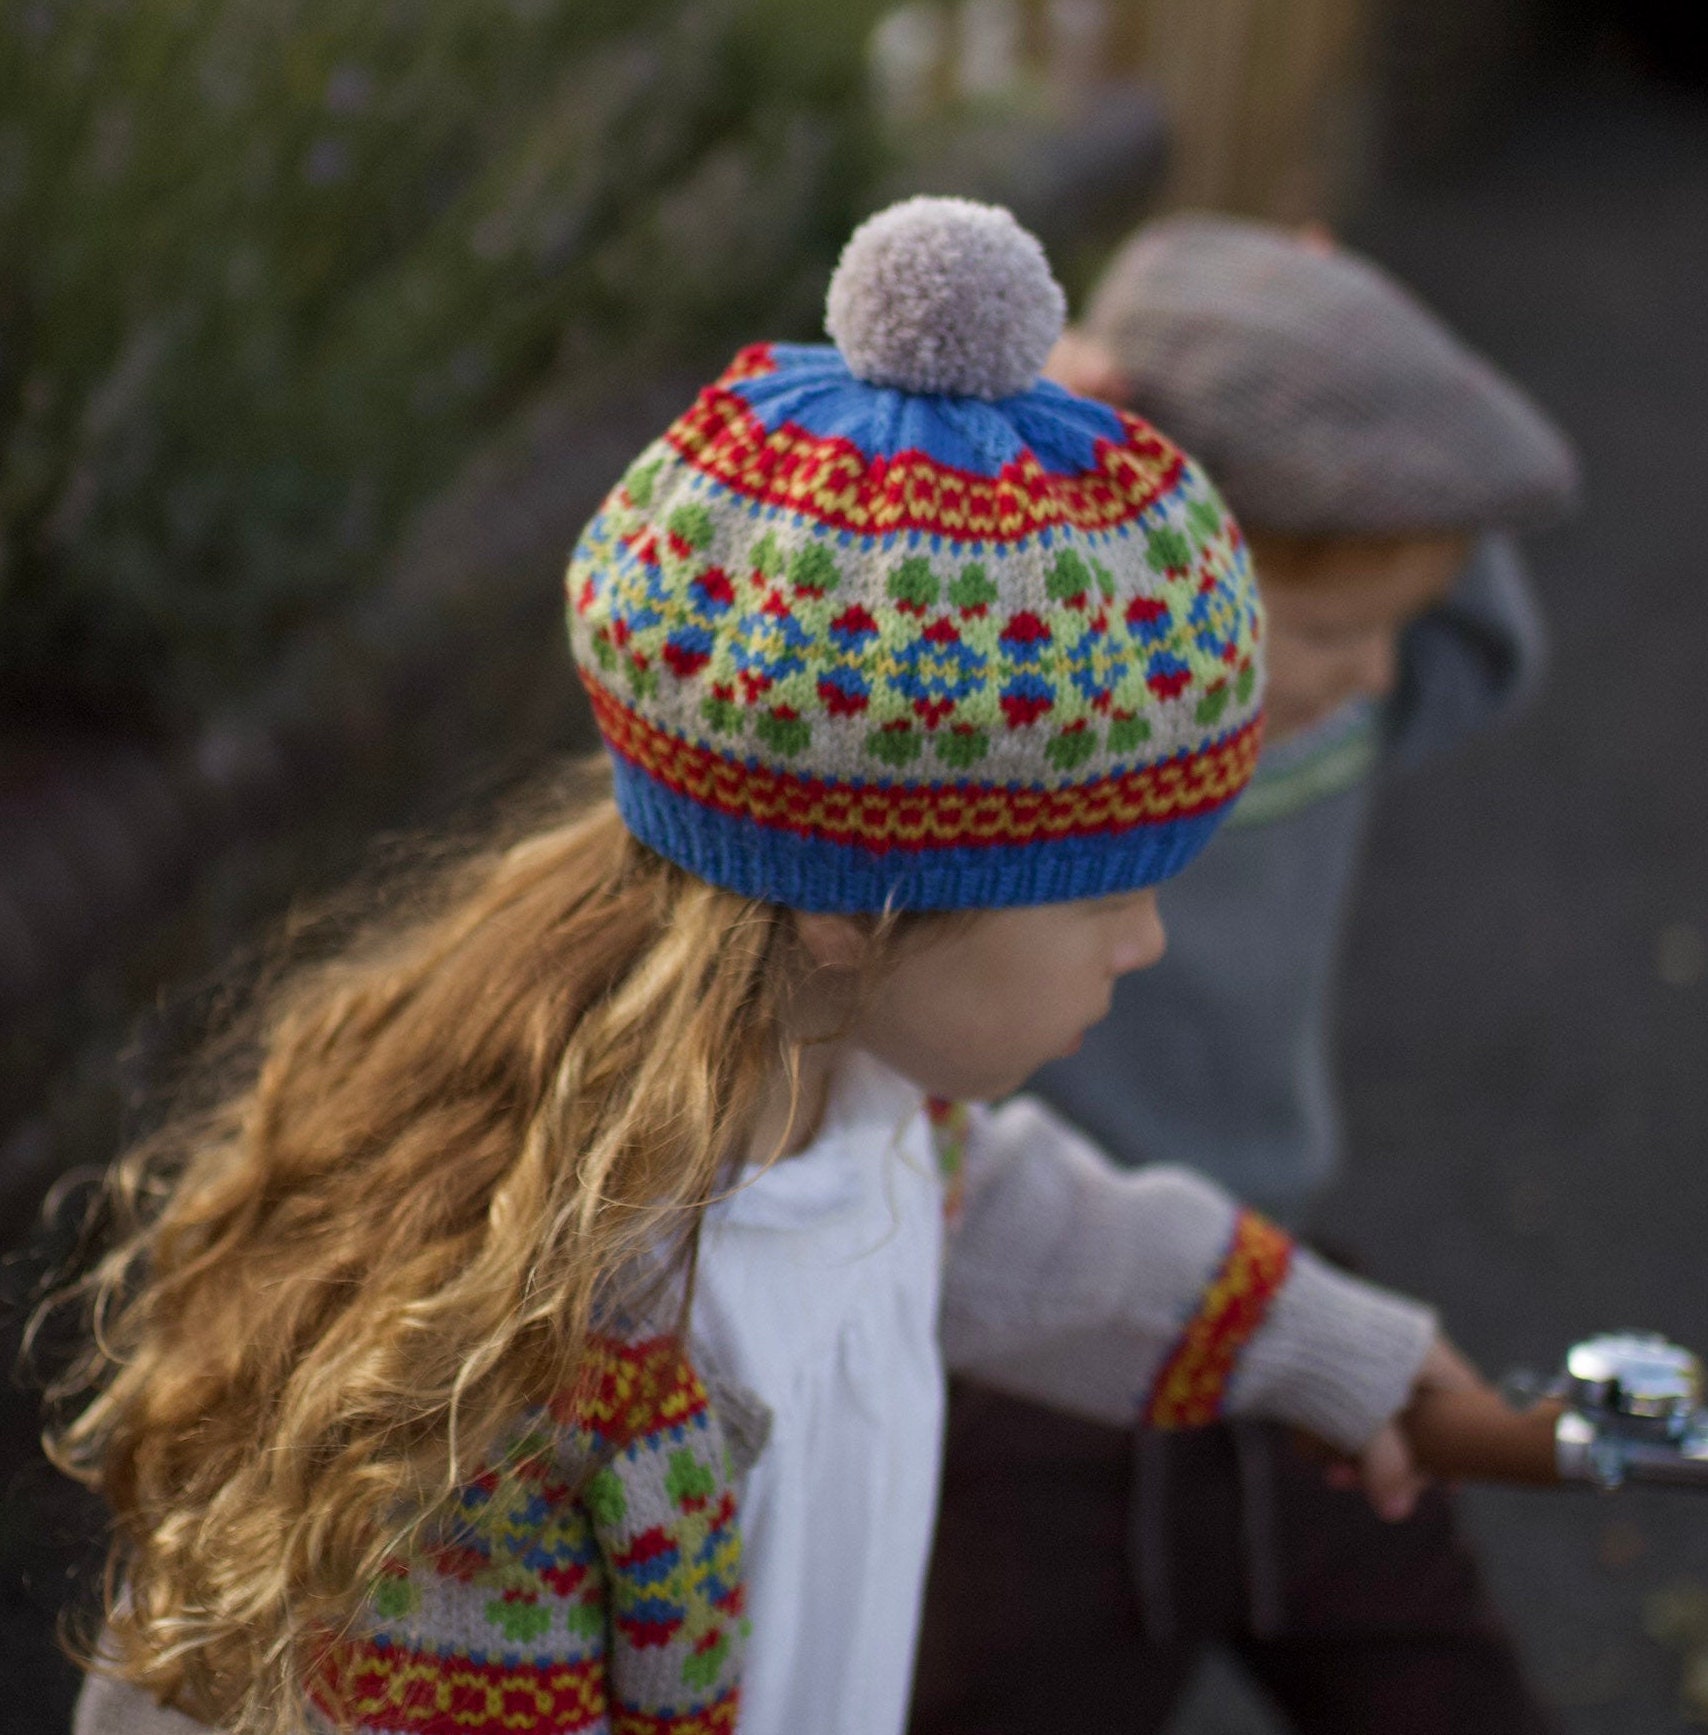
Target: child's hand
{"type": "Point", "coordinates": [1084, 365]}
{"type": "Point", "coordinates": [1389, 1469]}
{"type": "Point", "coordinates": [1458, 1425]}
{"type": "Point", "coordinates": [1387, 1473]}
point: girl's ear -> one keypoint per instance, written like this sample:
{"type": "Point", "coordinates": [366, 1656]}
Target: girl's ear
{"type": "Point", "coordinates": [833, 942]}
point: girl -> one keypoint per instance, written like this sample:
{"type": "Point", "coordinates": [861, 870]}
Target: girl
{"type": "Point", "coordinates": [593, 1209]}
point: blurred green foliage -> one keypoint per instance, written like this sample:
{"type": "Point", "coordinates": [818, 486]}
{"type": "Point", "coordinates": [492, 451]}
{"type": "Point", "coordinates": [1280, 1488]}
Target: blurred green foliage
{"type": "Point", "coordinates": [270, 268]}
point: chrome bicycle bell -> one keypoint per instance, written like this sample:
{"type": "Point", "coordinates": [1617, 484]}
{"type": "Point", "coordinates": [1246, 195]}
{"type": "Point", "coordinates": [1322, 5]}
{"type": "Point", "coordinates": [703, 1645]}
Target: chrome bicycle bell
{"type": "Point", "coordinates": [1634, 1412]}
{"type": "Point", "coordinates": [1636, 1381]}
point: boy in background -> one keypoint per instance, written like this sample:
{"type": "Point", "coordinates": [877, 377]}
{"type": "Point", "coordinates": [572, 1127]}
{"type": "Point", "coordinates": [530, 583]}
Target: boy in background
{"type": "Point", "coordinates": [1376, 465]}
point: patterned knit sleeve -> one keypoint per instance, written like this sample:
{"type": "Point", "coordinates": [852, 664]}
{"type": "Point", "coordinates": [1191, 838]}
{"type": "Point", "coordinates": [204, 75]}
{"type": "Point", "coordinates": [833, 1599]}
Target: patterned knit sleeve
{"type": "Point", "coordinates": [588, 1585]}
{"type": "Point", "coordinates": [1151, 1296]}
{"type": "Point", "coordinates": [663, 1513]}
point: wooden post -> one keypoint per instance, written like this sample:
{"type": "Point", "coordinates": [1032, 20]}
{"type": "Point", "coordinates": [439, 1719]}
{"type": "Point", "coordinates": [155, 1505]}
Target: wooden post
{"type": "Point", "coordinates": [1259, 93]}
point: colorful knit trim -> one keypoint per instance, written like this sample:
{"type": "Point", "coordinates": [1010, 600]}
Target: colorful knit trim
{"type": "Point", "coordinates": [951, 1124]}
{"type": "Point", "coordinates": [628, 1390]}
{"type": "Point", "coordinates": [590, 1582]}
{"type": "Point", "coordinates": [890, 816]}
{"type": "Point", "coordinates": [853, 647]}
{"type": "Point", "coordinates": [718, 1719]}
{"type": "Point", "coordinates": [386, 1687]}
{"type": "Point", "coordinates": [1189, 1389]}
{"type": "Point", "coordinates": [786, 427]}
{"type": "Point", "coordinates": [1325, 760]}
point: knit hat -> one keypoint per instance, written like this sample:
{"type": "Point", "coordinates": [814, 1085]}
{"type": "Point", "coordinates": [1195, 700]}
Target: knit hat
{"type": "Point", "coordinates": [1322, 395]}
{"type": "Point", "coordinates": [896, 625]}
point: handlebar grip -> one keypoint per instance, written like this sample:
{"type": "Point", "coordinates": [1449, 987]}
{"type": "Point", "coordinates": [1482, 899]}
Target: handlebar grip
{"type": "Point", "coordinates": [1476, 1436]}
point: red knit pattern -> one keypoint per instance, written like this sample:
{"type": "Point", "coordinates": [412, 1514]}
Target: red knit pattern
{"type": "Point", "coordinates": [385, 1688]}
{"type": "Point", "coordinates": [831, 480]}
{"type": "Point", "coordinates": [879, 817]}
{"type": "Point", "coordinates": [1188, 1390]}
{"type": "Point", "coordinates": [718, 1719]}
{"type": "Point", "coordinates": [627, 1391]}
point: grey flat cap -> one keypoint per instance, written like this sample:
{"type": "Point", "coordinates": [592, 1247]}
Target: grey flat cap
{"type": "Point", "coordinates": [1323, 397]}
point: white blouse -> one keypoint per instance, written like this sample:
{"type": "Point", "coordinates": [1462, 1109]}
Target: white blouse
{"type": "Point", "coordinates": [818, 1289]}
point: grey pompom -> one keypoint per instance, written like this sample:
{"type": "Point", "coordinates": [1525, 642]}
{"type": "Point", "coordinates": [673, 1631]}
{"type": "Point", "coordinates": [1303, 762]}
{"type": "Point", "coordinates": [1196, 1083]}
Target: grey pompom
{"type": "Point", "coordinates": [945, 295]}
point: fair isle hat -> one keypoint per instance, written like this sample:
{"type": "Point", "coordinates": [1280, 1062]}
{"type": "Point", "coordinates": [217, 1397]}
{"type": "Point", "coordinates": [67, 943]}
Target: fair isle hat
{"type": "Point", "coordinates": [895, 624]}
{"type": "Point", "coordinates": [1325, 398]}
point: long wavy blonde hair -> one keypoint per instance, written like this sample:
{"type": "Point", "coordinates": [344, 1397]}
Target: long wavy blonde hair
{"type": "Point", "coordinates": [337, 1281]}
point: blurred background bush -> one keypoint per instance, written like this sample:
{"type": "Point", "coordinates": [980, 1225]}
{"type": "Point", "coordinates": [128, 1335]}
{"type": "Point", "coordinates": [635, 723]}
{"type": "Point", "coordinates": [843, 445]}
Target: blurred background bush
{"type": "Point", "coordinates": [270, 268]}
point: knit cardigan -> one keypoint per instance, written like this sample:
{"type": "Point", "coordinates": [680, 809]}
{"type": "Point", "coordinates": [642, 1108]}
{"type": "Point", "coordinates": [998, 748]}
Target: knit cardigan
{"type": "Point", "coordinates": [590, 1582]}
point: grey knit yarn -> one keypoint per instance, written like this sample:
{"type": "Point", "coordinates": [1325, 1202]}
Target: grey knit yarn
{"type": "Point", "coordinates": [945, 295]}
{"type": "Point", "coordinates": [1321, 395]}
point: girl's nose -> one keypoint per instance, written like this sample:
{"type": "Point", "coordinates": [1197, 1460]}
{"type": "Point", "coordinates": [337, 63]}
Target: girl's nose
{"type": "Point", "coordinates": [1143, 939]}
